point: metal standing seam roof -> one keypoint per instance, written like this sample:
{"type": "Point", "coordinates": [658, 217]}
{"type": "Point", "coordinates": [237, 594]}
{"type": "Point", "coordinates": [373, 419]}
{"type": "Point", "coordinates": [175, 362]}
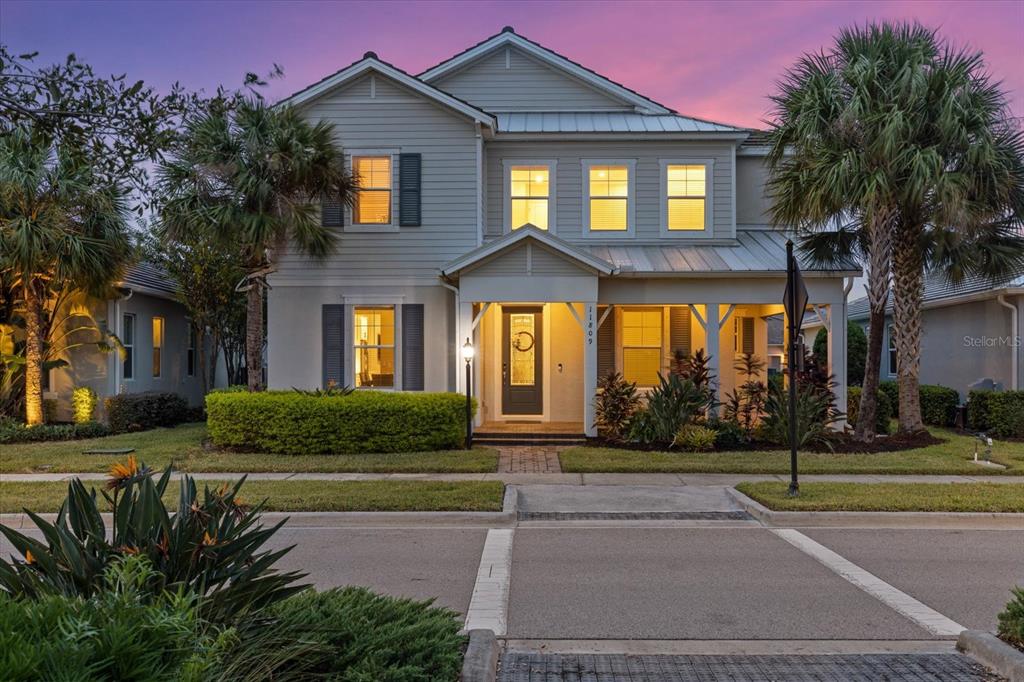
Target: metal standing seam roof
{"type": "Point", "coordinates": [605, 122]}
{"type": "Point", "coordinates": [755, 251]}
{"type": "Point", "coordinates": [937, 288]}
{"type": "Point", "coordinates": [148, 276]}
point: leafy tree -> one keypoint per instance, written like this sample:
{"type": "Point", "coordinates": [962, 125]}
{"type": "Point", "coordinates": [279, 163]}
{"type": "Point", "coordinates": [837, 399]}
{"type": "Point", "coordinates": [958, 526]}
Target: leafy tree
{"type": "Point", "coordinates": [252, 177]}
{"type": "Point", "coordinates": [856, 351]}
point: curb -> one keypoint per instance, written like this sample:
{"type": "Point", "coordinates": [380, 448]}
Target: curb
{"type": "Point", "coordinates": [993, 653]}
{"type": "Point", "coordinates": [481, 661]}
{"type": "Point", "coordinates": [974, 520]}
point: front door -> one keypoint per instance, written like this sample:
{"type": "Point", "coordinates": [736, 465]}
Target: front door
{"type": "Point", "coordinates": [521, 375]}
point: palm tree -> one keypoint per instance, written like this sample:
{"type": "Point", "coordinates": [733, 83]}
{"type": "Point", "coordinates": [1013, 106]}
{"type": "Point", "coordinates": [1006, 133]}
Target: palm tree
{"type": "Point", "coordinates": [60, 228]}
{"type": "Point", "coordinates": [254, 175]}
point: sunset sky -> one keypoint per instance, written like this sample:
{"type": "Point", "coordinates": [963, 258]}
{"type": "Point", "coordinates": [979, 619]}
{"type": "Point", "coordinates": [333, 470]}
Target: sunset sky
{"type": "Point", "coordinates": [712, 60]}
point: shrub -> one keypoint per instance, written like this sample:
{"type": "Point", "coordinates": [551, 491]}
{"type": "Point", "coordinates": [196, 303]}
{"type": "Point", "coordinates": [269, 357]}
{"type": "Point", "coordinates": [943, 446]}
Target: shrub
{"type": "Point", "coordinates": [978, 409]}
{"type": "Point", "coordinates": [745, 405]}
{"type": "Point", "coordinates": [371, 637]}
{"type": "Point", "coordinates": [1011, 621]}
{"type": "Point", "coordinates": [1006, 414]}
{"type": "Point", "coordinates": [891, 389]}
{"type": "Point", "coordinates": [83, 404]}
{"type": "Point", "coordinates": [674, 403]}
{"type": "Point", "coordinates": [938, 405]}
{"type": "Point", "coordinates": [814, 417]}
{"type": "Point", "coordinates": [614, 406]}
{"type": "Point", "coordinates": [695, 438]}
{"type": "Point", "coordinates": [856, 351]}
{"type": "Point", "coordinates": [728, 435]}
{"type": "Point", "coordinates": [140, 411]}
{"type": "Point", "coordinates": [365, 421]}
{"type": "Point", "coordinates": [14, 432]}
{"type": "Point", "coordinates": [883, 414]}
{"type": "Point", "coordinates": [49, 410]}
{"type": "Point", "coordinates": [210, 547]}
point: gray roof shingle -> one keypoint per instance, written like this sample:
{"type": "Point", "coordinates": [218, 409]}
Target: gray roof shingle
{"type": "Point", "coordinates": [937, 288]}
{"type": "Point", "coordinates": [149, 276]}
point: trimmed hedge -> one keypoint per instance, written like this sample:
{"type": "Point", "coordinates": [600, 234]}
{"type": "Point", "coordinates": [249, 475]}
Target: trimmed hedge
{"type": "Point", "coordinates": [978, 410]}
{"type": "Point", "coordinates": [891, 389]}
{"type": "Point", "coordinates": [1001, 413]}
{"type": "Point", "coordinates": [883, 414]}
{"type": "Point", "coordinates": [292, 423]}
{"type": "Point", "coordinates": [141, 411]}
{"type": "Point", "coordinates": [938, 405]}
{"type": "Point", "coordinates": [12, 432]}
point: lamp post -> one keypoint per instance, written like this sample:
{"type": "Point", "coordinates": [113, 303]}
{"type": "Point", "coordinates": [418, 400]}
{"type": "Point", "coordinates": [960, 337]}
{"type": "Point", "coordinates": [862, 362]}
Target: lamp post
{"type": "Point", "coordinates": [467, 354]}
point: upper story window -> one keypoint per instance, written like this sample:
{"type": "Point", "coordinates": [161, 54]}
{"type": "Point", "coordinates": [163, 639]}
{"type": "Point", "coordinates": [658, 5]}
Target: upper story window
{"type": "Point", "coordinates": [529, 194]}
{"type": "Point", "coordinates": [685, 197]}
{"type": "Point", "coordinates": [373, 200]}
{"type": "Point", "coordinates": [374, 336]}
{"type": "Point", "coordinates": [641, 345]}
{"type": "Point", "coordinates": [608, 206]}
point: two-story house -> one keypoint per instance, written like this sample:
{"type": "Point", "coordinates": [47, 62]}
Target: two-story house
{"type": "Point", "coordinates": [561, 223]}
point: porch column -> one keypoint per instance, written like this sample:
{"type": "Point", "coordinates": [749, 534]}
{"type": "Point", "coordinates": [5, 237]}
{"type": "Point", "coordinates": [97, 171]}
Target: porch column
{"type": "Point", "coordinates": [589, 366]}
{"type": "Point", "coordinates": [713, 346]}
{"type": "Point", "coordinates": [464, 329]}
{"type": "Point", "coordinates": [837, 355]}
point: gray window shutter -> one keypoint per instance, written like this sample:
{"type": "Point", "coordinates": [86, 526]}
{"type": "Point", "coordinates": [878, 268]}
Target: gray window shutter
{"type": "Point", "coordinates": [747, 325]}
{"type": "Point", "coordinates": [333, 330]}
{"type": "Point", "coordinates": [412, 347]}
{"type": "Point", "coordinates": [679, 329]}
{"type": "Point", "coordinates": [332, 213]}
{"type": "Point", "coordinates": [605, 344]}
{"type": "Point", "coordinates": [409, 189]}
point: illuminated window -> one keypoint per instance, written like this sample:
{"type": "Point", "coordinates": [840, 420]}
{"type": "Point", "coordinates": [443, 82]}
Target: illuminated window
{"type": "Point", "coordinates": [641, 345]}
{"type": "Point", "coordinates": [158, 345]}
{"type": "Point", "coordinates": [609, 198]}
{"type": "Point", "coordinates": [529, 193]}
{"type": "Point", "coordinates": [686, 194]}
{"type": "Point", "coordinates": [374, 334]}
{"type": "Point", "coordinates": [373, 200]}
{"type": "Point", "coordinates": [128, 342]}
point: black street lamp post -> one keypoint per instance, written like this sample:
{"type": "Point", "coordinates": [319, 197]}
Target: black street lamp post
{"type": "Point", "coordinates": [467, 354]}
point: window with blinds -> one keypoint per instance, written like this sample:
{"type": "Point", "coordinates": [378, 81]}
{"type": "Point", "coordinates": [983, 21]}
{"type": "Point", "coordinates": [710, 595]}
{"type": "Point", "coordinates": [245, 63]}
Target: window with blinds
{"type": "Point", "coordinates": [642, 345]}
{"type": "Point", "coordinates": [529, 194]}
{"type": "Point", "coordinates": [373, 199]}
{"type": "Point", "coordinates": [609, 198]}
{"type": "Point", "coordinates": [686, 194]}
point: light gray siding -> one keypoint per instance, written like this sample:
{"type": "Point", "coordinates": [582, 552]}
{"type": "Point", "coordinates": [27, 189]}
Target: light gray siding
{"type": "Point", "coordinates": [752, 202]}
{"type": "Point", "coordinates": [510, 80]}
{"type": "Point", "coordinates": [569, 189]}
{"type": "Point", "coordinates": [529, 259]}
{"type": "Point", "coordinates": [398, 120]}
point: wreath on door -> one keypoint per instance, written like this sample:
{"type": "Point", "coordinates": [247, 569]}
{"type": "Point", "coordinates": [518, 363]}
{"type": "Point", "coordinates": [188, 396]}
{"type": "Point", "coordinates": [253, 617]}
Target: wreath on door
{"type": "Point", "coordinates": [518, 343]}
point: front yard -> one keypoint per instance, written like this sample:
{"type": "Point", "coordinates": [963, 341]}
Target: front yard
{"type": "Point", "coordinates": [952, 457]}
{"type": "Point", "coordinates": [889, 497]}
{"type": "Point", "coordinates": [183, 446]}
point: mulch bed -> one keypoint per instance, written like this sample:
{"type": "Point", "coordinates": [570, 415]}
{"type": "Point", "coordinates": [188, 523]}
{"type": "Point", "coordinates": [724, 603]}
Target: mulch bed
{"type": "Point", "coordinates": [843, 444]}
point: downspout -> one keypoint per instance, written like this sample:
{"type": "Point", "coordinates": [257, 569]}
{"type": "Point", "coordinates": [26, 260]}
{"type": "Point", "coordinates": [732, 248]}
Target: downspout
{"type": "Point", "coordinates": [848, 286]}
{"type": "Point", "coordinates": [479, 185]}
{"type": "Point", "coordinates": [1014, 338]}
{"type": "Point", "coordinates": [118, 325]}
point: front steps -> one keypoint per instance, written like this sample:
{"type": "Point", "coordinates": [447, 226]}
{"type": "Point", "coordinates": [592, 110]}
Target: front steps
{"type": "Point", "coordinates": [528, 438]}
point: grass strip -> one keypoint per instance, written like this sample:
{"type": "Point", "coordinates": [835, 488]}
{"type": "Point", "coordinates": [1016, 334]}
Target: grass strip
{"type": "Point", "coordinates": [889, 497]}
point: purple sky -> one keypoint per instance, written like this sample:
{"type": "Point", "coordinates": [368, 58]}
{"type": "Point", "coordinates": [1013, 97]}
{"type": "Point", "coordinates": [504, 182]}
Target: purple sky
{"type": "Point", "coordinates": [712, 60]}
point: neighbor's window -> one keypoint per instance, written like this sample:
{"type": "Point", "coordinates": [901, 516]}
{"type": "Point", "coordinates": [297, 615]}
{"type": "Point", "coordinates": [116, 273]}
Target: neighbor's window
{"type": "Point", "coordinates": [529, 194]}
{"type": "Point", "coordinates": [374, 334]}
{"type": "Point", "coordinates": [373, 200]}
{"type": "Point", "coordinates": [191, 358]}
{"type": "Point", "coordinates": [641, 345]}
{"type": "Point", "coordinates": [892, 350]}
{"type": "Point", "coordinates": [128, 341]}
{"type": "Point", "coordinates": [609, 198]}
{"type": "Point", "coordinates": [158, 344]}
{"type": "Point", "coordinates": [687, 194]}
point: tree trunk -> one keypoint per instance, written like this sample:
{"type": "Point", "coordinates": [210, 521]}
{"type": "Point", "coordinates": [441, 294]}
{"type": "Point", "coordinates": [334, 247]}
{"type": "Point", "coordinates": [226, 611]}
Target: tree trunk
{"type": "Point", "coordinates": [878, 292]}
{"type": "Point", "coordinates": [254, 334]}
{"type": "Point", "coordinates": [33, 355]}
{"type": "Point", "coordinates": [211, 376]}
{"type": "Point", "coordinates": [908, 291]}
{"type": "Point", "coordinates": [200, 351]}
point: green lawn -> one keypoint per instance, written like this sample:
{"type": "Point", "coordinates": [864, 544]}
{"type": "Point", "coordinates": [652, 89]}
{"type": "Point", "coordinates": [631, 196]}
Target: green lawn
{"type": "Point", "coordinates": [952, 457]}
{"type": "Point", "coordinates": [291, 496]}
{"type": "Point", "coordinates": [184, 446]}
{"type": "Point", "coordinates": [937, 497]}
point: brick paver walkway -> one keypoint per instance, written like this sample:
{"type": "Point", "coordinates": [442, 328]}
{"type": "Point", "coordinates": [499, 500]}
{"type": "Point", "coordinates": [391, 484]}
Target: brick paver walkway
{"type": "Point", "coordinates": [529, 459]}
{"type": "Point", "coordinates": [533, 667]}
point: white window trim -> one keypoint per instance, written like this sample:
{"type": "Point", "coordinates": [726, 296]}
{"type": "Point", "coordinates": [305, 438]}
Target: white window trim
{"type": "Point", "coordinates": [371, 301]}
{"type": "Point", "coordinates": [134, 345]}
{"type": "Point", "coordinates": [630, 230]}
{"type": "Point", "coordinates": [709, 199]}
{"type": "Point", "coordinates": [506, 191]}
{"type": "Point", "coordinates": [890, 349]}
{"type": "Point", "coordinates": [153, 346]}
{"type": "Point", "coordinates": [350, 223]}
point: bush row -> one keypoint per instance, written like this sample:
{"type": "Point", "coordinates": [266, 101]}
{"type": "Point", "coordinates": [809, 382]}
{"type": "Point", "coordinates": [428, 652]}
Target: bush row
{"type": "Point", "coordinates": [141, 411]}
{"type": "Point", "coordinates": [938, 403]}
{"type": "Point", "coordinates": [999, 413]}
{"type": "Point", "coordinates": [883, 413]}
{"type": "Point", "coordinates": [365, 421]}
{"type": "Point", "coordinates": [16, 432]}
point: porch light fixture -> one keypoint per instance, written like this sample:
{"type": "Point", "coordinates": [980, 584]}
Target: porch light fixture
{"type": "Point", "coordinates": [467, 354]}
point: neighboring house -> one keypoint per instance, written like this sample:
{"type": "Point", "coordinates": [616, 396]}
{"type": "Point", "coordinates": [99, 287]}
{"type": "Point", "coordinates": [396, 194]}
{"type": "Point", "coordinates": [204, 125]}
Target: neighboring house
{"type": "Point", "coordinates": [972, 333]}
{"type": "Point", "coordinates": [160, 352]}
{"type": "Point", "coordinates": [563, 224]}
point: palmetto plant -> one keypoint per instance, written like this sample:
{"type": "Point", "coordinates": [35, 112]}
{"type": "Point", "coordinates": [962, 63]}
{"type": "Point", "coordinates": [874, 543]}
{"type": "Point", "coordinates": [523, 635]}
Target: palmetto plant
{"type": "Point", "coordinates": [61, 229]}
{"type": "Point", "coordinates": [254, 177]}
{"type": "Point", "coordinates": [212, 545]}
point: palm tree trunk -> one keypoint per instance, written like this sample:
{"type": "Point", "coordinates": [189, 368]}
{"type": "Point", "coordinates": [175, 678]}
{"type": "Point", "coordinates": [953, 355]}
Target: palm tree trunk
{"type": "Point", "coordinates": [908, 291]}
{"type": "Point", "coordinates": [254, 334]}
{"type": "Point", "coordinates": [33, 354]}
{"type": "Point", "coordinates": [200, 351]}
{"type": "Point", "coordinates": [878, 292]}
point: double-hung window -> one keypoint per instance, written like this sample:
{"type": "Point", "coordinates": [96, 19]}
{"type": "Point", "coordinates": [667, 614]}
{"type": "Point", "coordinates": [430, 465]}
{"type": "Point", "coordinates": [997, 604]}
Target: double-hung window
{"type": "Point", "coordinates": [128, 342]}
{"type": "Point", "coordinates": [608, 205]}
{"type": "Point", "coordinates": [373, 199]}
{"type": "Point", "coordinates": [374, 350]}
{"type": "Point", "coordinates": [158, 345]}
{"type": "Point", "coordinates": [892, 350]}
{"type": "Point", "coordinates": [685, 197]}
{"type": "Point", "coordinates": [530, 194]}
{"type": "Point", "coordinates": [641, 345]}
